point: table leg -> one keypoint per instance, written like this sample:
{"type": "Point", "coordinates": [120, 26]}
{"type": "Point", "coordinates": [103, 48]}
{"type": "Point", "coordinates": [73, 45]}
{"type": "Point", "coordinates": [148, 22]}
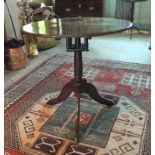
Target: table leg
{"type": "Point", "coordinates": [134, 27]}
{"type": "Point", "coordinates": [82, 86]}
{"type": "Point", "coordinates": [64, 94]}
{"type": "Point", "coordinates": [91, 90]}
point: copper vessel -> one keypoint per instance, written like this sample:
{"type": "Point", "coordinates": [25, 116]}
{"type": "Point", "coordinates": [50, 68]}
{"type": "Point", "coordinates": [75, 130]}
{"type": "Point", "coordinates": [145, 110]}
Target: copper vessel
{"type": "Point", "coordinates": [16, 58]}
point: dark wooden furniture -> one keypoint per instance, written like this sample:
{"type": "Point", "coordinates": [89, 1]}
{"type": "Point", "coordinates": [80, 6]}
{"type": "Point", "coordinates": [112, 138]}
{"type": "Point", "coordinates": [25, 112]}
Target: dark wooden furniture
{"type": "Point", "coordinates": [76, 8]}
{"type": "Point", "coordinates": [125, 10]}
{"type": "Point", "coordinates": [77, 32]}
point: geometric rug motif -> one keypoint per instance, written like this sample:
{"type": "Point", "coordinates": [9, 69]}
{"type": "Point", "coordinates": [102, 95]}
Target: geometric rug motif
{"type": "Point", "coordinates": [103, 131]}
{"type": "Point", "coordinates": [123, 82]}
{"type": "Point", "coordinates": [95, 122]}
{"type": "Point", "coordinates": [97, 71]}
{"type": "Point", "coordinates": [128, 81]}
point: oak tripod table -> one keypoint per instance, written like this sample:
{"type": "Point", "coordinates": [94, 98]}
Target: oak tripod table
{"type": "Point", "coordinates": [77, 31]}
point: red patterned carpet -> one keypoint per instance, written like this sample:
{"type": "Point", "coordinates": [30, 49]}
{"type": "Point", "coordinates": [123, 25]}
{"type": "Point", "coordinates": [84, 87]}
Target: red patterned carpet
{"type": "Point", "coordinates": [33, 128]}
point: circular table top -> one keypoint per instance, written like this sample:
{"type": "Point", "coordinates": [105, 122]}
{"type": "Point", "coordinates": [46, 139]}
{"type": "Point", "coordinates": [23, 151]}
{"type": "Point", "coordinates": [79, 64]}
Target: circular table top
{"type": "Point", "coordinates": [77, 27]}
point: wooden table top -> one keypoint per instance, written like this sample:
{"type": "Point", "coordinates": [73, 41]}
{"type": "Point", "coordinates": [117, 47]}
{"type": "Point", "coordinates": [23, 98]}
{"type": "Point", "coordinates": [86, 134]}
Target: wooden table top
{"type": "Point", "coordinates": [77, 27]}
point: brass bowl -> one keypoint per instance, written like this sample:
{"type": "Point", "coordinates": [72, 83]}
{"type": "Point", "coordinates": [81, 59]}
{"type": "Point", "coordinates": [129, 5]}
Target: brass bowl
{"type": "Point", "coordinates": [44, 43]}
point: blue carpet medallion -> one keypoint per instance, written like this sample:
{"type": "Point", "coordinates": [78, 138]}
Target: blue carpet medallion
{"type": "Point", "coordinates": [95, 122]}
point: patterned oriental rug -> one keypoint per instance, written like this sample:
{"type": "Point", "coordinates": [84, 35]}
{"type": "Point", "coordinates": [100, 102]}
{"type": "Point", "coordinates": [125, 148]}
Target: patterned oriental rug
{"type": "Point", "coordinates": [33, 128]}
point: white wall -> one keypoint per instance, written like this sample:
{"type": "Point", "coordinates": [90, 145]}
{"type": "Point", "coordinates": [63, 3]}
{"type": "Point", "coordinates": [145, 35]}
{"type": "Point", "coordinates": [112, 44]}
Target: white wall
{"type": "Point", "coordinates": [109, 8]}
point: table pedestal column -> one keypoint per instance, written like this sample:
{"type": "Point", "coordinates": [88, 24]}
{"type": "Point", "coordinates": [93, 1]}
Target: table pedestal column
{"type": "Point", "coordinates": [78, 84]}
